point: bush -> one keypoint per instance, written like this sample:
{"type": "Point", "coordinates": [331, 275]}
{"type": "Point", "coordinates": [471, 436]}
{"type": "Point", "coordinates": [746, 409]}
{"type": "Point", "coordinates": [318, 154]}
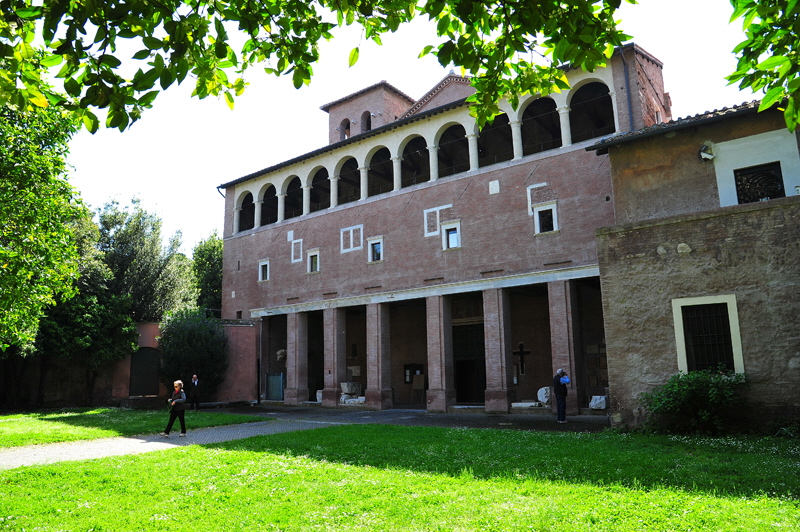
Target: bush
{"type": "Point", "coordinates": [193, 344]}
{"type": "Point", "coordinates": [698, 402]}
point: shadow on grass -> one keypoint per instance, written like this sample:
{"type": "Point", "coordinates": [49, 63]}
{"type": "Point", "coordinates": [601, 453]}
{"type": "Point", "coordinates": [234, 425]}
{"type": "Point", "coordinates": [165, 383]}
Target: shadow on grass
{"type": "Point", "coordinates": [739, 467]}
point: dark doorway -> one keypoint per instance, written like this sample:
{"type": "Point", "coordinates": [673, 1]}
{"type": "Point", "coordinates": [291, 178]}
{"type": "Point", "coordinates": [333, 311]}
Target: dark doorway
{"type": "Point", "coordinates": [144, 372]}
{"type": "Point", "coordinates": [469, 357]}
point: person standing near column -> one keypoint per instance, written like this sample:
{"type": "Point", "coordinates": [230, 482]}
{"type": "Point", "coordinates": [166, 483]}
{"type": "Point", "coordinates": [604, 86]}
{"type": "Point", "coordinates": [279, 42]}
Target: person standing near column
{"type": "Point", "coordinates": [560, 381]}
{"type": "Point", "coordinates": [177, 401]}
{"type": "Point", "coordinates": [194, 393]}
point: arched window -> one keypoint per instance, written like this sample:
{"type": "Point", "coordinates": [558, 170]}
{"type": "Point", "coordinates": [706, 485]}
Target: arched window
{"type": "Point", "coordinates": [293, 205]}
{"type": "Point", "coordinates": [416, 165]}
{"type": "Point", "coordinates": [453, 151]}
{"type": "Point", "coordinates": [320, 191]}
{"type": "Point", "coordinates": [380, 178]}
{"type": "Point", "coordinates": [541, 127]}
{"type": "Point", "coordinates": [247, 214]}
{"type": "Point", "coordinates": [591, 113]}
{"type": "Point", "coordinates": [495, 144]}
{"type": "Point", "coordinates": [344, 129]}
{"type": "Point", "coordinates": [269, 207]}
{"type": "Point", "coordinates": [366, 121]}
{"type": "Point", "coordinates": [349, 182]}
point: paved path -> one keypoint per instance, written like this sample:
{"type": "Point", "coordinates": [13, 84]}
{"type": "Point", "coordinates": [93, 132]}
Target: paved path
{"type": "Point", "coordinates": [86, 450]}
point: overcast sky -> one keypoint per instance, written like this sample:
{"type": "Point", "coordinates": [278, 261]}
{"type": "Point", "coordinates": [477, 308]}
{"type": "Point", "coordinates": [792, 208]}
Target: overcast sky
{"type": "Point", "coordinates": [181, 150]}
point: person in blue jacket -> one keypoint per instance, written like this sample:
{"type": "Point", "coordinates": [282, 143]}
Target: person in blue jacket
{"type": "Point", "coordinates": [560, 381]}
{"type": "Point", "coordinates": [177, 403]}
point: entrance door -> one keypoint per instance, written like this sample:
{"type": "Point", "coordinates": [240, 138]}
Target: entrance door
{"type": "Point", "coordinates": [144, 372]}
{"type": "Point", "coordinates": [469, 357]}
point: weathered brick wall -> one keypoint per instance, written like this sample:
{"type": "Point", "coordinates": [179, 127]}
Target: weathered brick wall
{"type": "Point", "coordinates": [752, 251]}
{"type": "Point", "coordinates": [388, 103]}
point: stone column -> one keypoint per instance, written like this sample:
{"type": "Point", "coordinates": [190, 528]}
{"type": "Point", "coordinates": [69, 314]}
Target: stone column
{"type": "Point", "coordinates": [397, 172]}
{"type": "Point", "coordinates": [441, 392]}
{"type": "Point", "coordinates": [335, 326]}
{"type": "Point", "coordinates": [236, 215]}
{"type": "Point", "coordinates": [306, 199]}
{"type": "Point", "coordinates": [296, 359]}
{"type": "Point", "coordinates": [257, 219]}
{"type": "Point", "coordinates": [516, 138]}
{"type": "Point", "coordinates": [281, 207]}
{"type": "Point", "coordinates": [433, 157]}
{"type": "Point", "coordinates": [474, 155]}
{"type": "Point", "coordinates": [562, 337]}
{"type": "Point", "coordinates": [613, 95]}
{"type": "Point", "coordinates": [497, 338]}
{"type": "Point", "coordinates": [378, 395]}
{"type": "Point", "coordinates": [364, 175]}
{"type": "Point", "coordinates": [334, 190]}
{"type": "Point", "coordinates": [566, 130]}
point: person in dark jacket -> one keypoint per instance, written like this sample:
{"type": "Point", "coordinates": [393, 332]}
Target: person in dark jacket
{"type": "Point", "coordinates": [177, 402]}
{"type": "Point", "coordinates": [193, 393]}
{"type": "Point", "coordinates": [560, 381]}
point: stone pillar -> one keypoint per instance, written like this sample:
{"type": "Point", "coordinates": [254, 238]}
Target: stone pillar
{"type": "Point", "coordinates": [281, 207]}
{"type": "Point", "coordinates": [236, 215]}
{"type": "Point", "coordinates": [433, 157]}
{"type": "Point", "coordinates": [397, 172]}
{"type": "Point", "coordinates": [441, 392]}
{"type": "Point", "coordinates": [306, 199]}
{"type": "Point", "coordinates": [474, 155]}
{"type": "Point", "coordinates": [562, 337]}
{"type": "Point", "coordinates": [497, 338]}
{"type": "Point", "coordinates": [613, 95]}
{"type": "Point", "coordinates": [378, 395]}
{"type": "Point", "coordinates": [364, 175]}
{"type": "Point", "coordinates": [566, 130]}
{"type": "Point", "coordinates": [334, 190]}
{"type": "Point", "coordinates": [296, 359]}
{"type": "Point", "coordinates": [335, 326]}
{"type": "Point", "coordinates": [516, 138]}
{"type": "Point", "coordinates": [257, 219]}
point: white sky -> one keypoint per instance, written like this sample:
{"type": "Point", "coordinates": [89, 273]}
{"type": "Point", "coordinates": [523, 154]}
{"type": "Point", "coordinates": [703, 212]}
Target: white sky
{"type": "Point", "coordinates": [181, 150]}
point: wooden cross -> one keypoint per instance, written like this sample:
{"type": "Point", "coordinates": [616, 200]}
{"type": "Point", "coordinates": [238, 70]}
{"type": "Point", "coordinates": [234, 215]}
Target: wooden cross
{"type": "Point", "coordinates": [521, 354]}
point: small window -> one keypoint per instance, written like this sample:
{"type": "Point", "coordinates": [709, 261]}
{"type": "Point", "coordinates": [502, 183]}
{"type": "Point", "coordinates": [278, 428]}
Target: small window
{"type": "Point", "coordinates": [297, 250]}
{"type": "Point", "coordinates": [313, 261]}
{"type": "Point", "coordinates": [263, 270]}
{"type": "Point", "coordinates": [375, 249]}
{"type": "Point", "coordinates": [431, 218]}
{"type": "Point", "coordinates": [759, 183]}
{"type": "Point", "coordinates": [351, 238]}
{"type": "Point", "coordinates": [545, 218]}
{"type": "Point", "coordinates": [451, 235]}
{"type": "Point", "coordinates": [238, 314]}
{"type": "Point", "coordinates": [707, 333]}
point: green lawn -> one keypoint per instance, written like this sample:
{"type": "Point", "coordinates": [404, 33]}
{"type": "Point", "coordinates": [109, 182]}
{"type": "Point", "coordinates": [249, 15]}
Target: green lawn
{"type": "Point", "coordinates": [388, 478]}
{"type": "Point", "coordinates": [87, 424]}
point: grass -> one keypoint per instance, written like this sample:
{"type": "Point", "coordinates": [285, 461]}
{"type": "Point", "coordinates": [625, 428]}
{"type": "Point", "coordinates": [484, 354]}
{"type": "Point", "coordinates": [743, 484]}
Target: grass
{"type": "Point", "coordinates": [387, 478]}
{"type": "Point", "coordinates": [87, 424]}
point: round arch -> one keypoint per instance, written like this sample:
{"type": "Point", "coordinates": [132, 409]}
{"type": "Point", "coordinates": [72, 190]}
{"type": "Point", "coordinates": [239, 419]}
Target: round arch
{"type": "Point", "coordinates": [591, 112]}
{"type": "Point", "coordinates": [453, 152]}
{"type": "Point", "coordinates": [540, 126]}
{"type": "Point", "coordinates": [247, 212]}
{"type": "Point", "coordinates": [269, 204]}
{"type": "Point", "coordinates": [415, 166]}
{"type": "Point", "coordinates": [293, 202]}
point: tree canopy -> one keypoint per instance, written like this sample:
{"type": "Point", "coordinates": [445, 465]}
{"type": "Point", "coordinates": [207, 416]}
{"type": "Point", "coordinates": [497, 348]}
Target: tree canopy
{"type": "Point", "coordinates": [207, 267]}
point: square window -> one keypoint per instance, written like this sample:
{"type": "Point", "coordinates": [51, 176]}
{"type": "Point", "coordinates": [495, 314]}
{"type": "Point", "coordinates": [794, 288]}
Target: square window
{"type": "Point", "coordinates": [451, 235]}
{"type": "Point", "coordinates": [351, 238]}
{"type": "Point", "coordinates": [313, 261]}
{"type": "Point", "coordinates": [545, 217]}
{"type": "Point", "coordinates": [431, 218]}
{"type": "Point", "coordinates": [759, 183]}
{"type": "Point", "coordinates": [297, 250]}
{"type": "Point", "coordinates": [263, 270]}
{"type": "Point", "coordinates": [707, 333]}
{"type": "Point", "coordinates": [375, 249]}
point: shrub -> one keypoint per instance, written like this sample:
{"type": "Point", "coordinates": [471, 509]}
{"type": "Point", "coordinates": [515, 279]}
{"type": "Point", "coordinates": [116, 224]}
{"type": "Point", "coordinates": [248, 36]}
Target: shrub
{"type": "Point", "coordinates": [699, 402]}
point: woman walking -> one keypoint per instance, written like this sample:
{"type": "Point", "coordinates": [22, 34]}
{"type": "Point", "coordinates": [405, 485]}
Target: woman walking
{"type": "Point", "coordinates": [177, 402]}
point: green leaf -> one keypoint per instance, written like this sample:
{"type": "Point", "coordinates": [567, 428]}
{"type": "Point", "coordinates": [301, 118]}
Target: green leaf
{"type": "Point", "coordinates": [772, 62]}
{"type": "Point", "coordinates": [774, 95]}
{"type": "Point", "coordinates": [229, 99]}
{"type": "Point", "coordinates": [353, 59]}
{"type": "Point", "coordinates": [31, 12]}
{"type": "Point", "coordinates": [52, 60]}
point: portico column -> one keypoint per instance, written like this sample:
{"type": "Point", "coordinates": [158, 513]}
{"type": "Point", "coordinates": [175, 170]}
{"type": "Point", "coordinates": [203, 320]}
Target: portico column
{"type": "Point", "coordinates": [236, 215]}
{"type": "Point", "coordinates": [496, 332]}
{"type": "Point", "coordinates": [306, 199]}
{"type": "Point", "coordinates": [334, 190]}
{"type": "Point", "coordinates": [566, 131]}
{"type": "Point", "coordinates": [281, 206]}
{"type": "Point", "coordinates": [257, 219]}
{"type": "Point", "coordinates": [296, 359]}
{"type": "Point", "coordinates": [364, 174]}
{"type": "Point", "coordinates": [433, 157]}
{"type": "Point", "coordinates": [474, 155]}
{"type": "Point", "coordinates": [334, 327]}
{"type": "Point", "coordinates": [378, 395]}
{"type": "Point", "coordinates": [516, 138]}
{"type": "Point", "coordinates": [441, 392]}
{"type": "Point", "coordinates": [562, 337]}
{"type": "Point", "coordinates": [613, 95]}
{"type": "Point", "coordinates": [397, 172]}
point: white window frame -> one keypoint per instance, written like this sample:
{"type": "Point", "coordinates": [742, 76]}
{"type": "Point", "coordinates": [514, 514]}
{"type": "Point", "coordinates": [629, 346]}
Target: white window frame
{"type": "Point", "coordinates": [453, 224]}
{"type": "Point", "coordinates": [261, 265]}
{"type": "Point", "coordinates": [370, 242]}
{"type": "Point", "coordinates": [539, 207]}
{"type": "Point", "coordinates": [297, 250]}
{"type": "Point", "coordinates": [351, 238]}
{"type": "Point", "coordinates": [435, 211]}
{"type": "Point", "coordinates": [309, 261]}
{"type": "Point", "coordinates": [733, 321]}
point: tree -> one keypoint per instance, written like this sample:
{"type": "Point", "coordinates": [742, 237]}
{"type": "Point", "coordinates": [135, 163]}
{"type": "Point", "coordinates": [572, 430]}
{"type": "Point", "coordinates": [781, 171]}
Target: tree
{"type": "Point", "coordinates": [207, 267]}
{"type": "Point", "coordinates": [38, 256]}
{"type": "Point", "coordinates": [157, 278]}
{"type": "Point", "coordinates": [192, 343]}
